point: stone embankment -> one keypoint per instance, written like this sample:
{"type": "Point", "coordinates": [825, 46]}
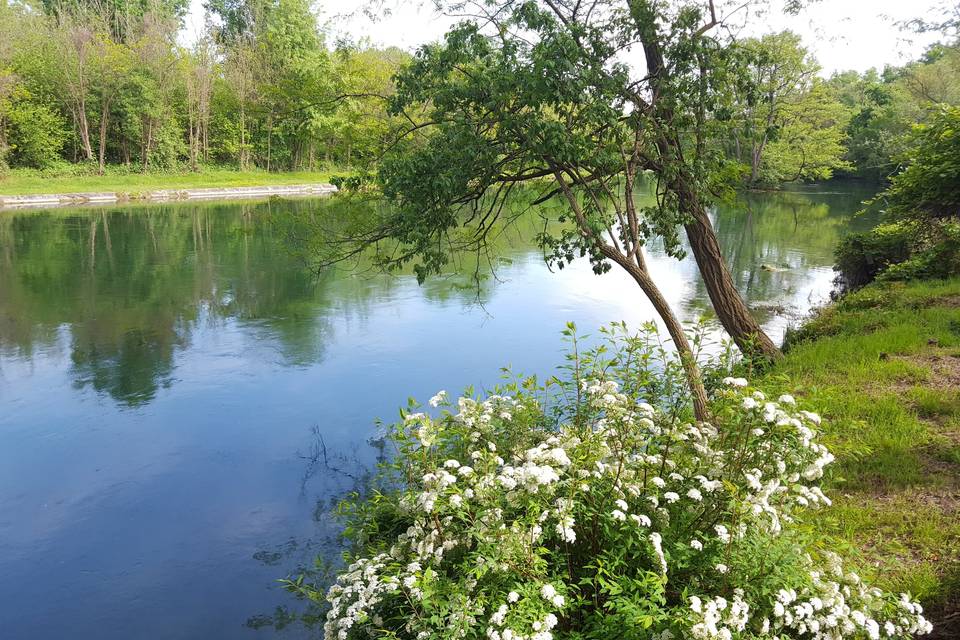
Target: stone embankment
{"type": "Point", "coordinates": [49, 200]}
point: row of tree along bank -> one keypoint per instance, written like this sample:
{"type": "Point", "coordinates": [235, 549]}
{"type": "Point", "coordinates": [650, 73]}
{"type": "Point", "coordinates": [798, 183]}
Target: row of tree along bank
{"type": "Point", "coordinates": [95, 84]}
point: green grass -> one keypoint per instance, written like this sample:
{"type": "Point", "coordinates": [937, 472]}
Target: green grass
{"type": "Point", "coordinates": [883, 367]}
{"type": "Point", "coordinates": [24, 182]}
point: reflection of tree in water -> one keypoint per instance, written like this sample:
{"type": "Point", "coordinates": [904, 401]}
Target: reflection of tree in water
{"type": "Point", "coordinates": [137, 364]}
{"type": "Point", "coordinates": [127, 289]}
{"type": "Point", "coordinates": [329, 475]}
{"type": "Point", "coordinates": [312, 235]}
{"type": "Point", "coordinates": [772, 240]}
{"type": "Point", "coordinates": [133, 286]}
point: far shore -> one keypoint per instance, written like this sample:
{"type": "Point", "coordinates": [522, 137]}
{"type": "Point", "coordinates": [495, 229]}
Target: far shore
{"type": "Point", "coordinates": [22, 182]}
{"type": "Point", "coordinates": [50, 200]}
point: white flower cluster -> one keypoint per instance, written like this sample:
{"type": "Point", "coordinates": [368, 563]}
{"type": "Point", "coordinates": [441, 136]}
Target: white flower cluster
{"type": "Point", "coordinates": [824, 612]}
{"type": "Point", "coordinates": [496, 509]}
{"type": "Point", "coordinates": [838, 605]}
{"type": "Point", "coordinates": [718, 618]}
{"type": "Point", "coordinates": [358, 589]}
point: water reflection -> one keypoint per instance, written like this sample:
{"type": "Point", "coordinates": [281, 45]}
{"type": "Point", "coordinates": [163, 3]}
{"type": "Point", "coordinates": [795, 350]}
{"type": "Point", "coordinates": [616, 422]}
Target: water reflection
{"type": "Point", "coordinates": [132, 285]}
{"type": "Point", "coordinates": [161, 369]}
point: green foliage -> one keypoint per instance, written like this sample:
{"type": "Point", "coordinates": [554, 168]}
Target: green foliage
{"type": "Point", "coordinates": [885, 106]}
{"type": "Point", "coordinates": [880, 118]}
{"type": "Point", "coordinates": [809, 143]}
{"type": "Point", "coordinates": [927, 188]}
{"type": "Point", "coordinates": [36, 134]}
{"type": "Point", "coordinates": [862, 256]}
{"type": "Point", "coordinates": [557, 107]}
{"type": "Point", "coordinates": [788, 126]}
{"type": "Point", "coordinates": [122, 16]}
{"type": "Point", "coordinates": [268, 95]}
{"type": "Point", "coordinates": [8, 83]}
{"type": "Point", "coordinates": [262, 89]}
{"type": "Point", "coordinates": [921, 237]}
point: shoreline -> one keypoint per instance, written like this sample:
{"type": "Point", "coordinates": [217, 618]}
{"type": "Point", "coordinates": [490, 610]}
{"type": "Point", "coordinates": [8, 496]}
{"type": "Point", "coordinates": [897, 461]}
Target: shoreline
{"type": "Point", "coordinates": [57, 200]}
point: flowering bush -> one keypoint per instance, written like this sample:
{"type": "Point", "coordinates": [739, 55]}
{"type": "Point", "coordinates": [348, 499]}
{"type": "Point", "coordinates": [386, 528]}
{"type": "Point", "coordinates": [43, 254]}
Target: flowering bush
{"type": "Point", "coordinates": [591, 507]}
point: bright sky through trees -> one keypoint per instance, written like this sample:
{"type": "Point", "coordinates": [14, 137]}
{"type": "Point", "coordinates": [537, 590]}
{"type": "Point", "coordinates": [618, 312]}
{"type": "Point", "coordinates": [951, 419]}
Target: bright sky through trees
{"type": "Point", "coordinates": [843, 34]}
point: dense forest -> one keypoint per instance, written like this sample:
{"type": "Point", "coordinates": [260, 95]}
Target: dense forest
{"type": "Point", "coordinates": [101, 83]}
{"type": "Point", "coordinates": [89, 84]}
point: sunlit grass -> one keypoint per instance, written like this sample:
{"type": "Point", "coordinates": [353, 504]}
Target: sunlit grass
{"type": "Point", "coordinates": [880, 366]}
{"type": "Point", "coordinates": [22, 182]}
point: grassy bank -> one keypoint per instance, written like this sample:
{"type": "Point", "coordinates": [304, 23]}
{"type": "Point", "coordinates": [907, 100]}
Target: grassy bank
{"type": "Point", "coordinates": [21, 182]}
{"type": "Point", "coordinates": [883, 366]}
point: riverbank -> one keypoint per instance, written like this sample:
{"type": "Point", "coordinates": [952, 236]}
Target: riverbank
{"type": "Point", "coordinates": [51, 200]}
{"type": "Point", "coordinates": [23, 182]}
{"type": "Point", "coordinates": [883, 367]}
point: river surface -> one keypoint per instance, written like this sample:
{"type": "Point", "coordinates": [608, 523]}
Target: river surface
{"type": "Point", "coordinates": [181, 401]}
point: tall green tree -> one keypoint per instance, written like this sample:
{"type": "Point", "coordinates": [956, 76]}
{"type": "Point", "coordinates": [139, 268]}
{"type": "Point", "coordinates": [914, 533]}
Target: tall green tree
{"type": "Point", "coordinates": [877, 124]}
{"type": "Point", "coordinates": [153, 86]}
{"type": "Point", "coordinates": [780, 70]}
{"type": "Point", "coordinates": [788, 127]}
{"type": "Point", "coordinates": [809, 143]}
{"type": "Point", "coordinates": [199, 68]}
{"type": "Point", "coordinates": [538, 93]}
{"type": "Point", "coordinates": [121, 17]}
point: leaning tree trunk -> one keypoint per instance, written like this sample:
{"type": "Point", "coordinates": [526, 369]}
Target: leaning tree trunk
{"type": "Point", "coordinates": [727, 303]}
{"type": "Point", "coordinates": [641, 276]}
{"type": "Point", "coordinates": [698, 392]}
{"type": "Point", "coordinates": [729, 306]}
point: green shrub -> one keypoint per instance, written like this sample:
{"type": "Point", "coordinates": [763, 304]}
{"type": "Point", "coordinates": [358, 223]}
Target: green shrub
{"type": "Point", "coordinates": [860, 257]}
{"type": "Point", "coordinates": [37, 135]}
{"type": "Point", "coordinates": [934, 254]}
{"type": "Point", "coordinates": [592, 507]}
{"type": "Point", "coordinates": [921, 237]}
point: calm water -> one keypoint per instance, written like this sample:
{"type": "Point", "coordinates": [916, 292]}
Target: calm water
{"type": "Point", "coordinates": [167, 374]}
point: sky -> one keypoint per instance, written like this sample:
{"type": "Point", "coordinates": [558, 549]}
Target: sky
{"type": "Point", "coordinates": [842, 34]}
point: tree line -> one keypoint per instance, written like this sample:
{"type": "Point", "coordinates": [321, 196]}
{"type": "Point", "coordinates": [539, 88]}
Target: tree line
{"type": "Point", "coordinates": [93, 83]}
{"type": "Point", "coordinates": [104, 82]}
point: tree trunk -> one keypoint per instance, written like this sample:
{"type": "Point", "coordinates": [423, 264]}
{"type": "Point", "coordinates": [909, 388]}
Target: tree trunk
{"type": "Point", "coordinates": [192, 139]}
{"type": "Point", "coordinates": [729, 306]}
{"type": "Point", "coordinates": [755, 156]}
{"type": "Point", "coordinates": [243, 139]}
{"type": "Point", "coordinates": [83, 125]}
{"type": "Point", "coordinates": [698, 393]}
{"type": "Point", "coordinates": [148, 145]}
{"type": "Point", "coordinates": [694, 380]}
{"type": "Point", "coordinates": [269, 138]}
{"type": "Point", "coordinates": [104, 122]}
{"type": "Point", "coordinates": [124, 145]}
{"type": "Point", "coordinates": [727, 303]}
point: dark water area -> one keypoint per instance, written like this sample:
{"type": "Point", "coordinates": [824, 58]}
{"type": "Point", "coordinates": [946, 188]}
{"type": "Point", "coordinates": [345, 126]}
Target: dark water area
{"type": "Point", "coordinates": [170, 377]}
